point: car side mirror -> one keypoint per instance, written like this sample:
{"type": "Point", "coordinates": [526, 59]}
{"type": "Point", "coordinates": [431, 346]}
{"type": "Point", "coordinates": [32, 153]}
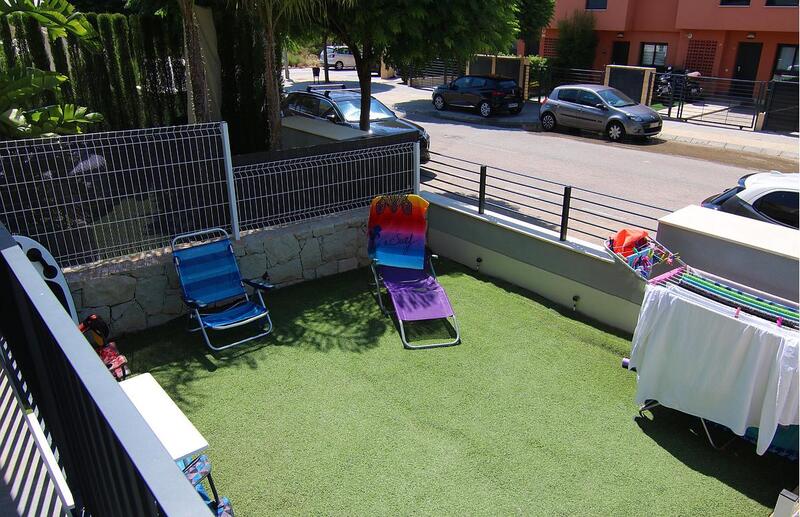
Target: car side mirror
{"type": "Point", "coordinates": [601, 106]}
{"type": "Point", "coordinates": [332, 117]}
{"type": "Point", "coordinates": [453, 86]}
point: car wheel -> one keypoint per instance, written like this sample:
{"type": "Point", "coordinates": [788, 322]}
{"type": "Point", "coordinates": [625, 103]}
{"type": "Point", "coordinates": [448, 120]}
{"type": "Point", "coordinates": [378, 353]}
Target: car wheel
{"type": "Point", "coordinates": [548, 121]}
{"type": "Point", "coordinates": [615, 131]}
{"type": "Point", "coordinates": [438, 102]}
{"type": "Point", "coordinates": [485, 109]}
{"type": "Point", "coordinates": [339, 65]}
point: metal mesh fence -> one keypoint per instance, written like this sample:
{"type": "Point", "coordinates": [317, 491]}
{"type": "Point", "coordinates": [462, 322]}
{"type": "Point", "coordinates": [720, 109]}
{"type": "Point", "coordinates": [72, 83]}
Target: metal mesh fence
{"type": "Point", "coordinates": [716, 100]}
{"type": "Point", "coordinates": [285, 191]}
{"type": "Point", "coordinates": [103, 195]}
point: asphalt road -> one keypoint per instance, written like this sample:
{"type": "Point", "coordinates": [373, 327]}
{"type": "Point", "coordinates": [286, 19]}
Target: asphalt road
{"type": "Point", "coordinates": [661, 180]}
{"type": "Point", "coordinates": [627, 171]}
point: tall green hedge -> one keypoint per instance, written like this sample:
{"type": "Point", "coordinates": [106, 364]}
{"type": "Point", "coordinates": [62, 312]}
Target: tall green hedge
{"type": "Point", "coordinates": [136, 80]}
{"type": "Point", "coordinates": [241, 53]}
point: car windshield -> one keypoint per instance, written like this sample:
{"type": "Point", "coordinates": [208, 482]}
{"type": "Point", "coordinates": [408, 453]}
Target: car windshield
{"type": "Point", "coordinates": [615, 98]}
{"type": "Point", "coordinates": [351, 109]}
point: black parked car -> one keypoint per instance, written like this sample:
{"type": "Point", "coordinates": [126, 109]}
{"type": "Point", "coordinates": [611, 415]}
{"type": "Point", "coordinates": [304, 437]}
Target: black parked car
{"type": "Point", "coordinates": [487, 93]}
{"type": "Point", "coordinates": [343, 106]}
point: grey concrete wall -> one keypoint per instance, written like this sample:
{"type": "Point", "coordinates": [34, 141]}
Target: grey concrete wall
{"type": "Point", "coordinates": [145, 293]}
{"type": "Point", "coordinates": [760, 255]}
{"type": "Point", "coordinates": [534, 258]}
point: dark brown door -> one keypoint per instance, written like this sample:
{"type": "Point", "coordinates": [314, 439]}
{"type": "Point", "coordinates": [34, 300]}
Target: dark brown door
{"type": "Point", "coordinates": [619, 52]}
{"type": "Point", "coordinates": [746, 68]}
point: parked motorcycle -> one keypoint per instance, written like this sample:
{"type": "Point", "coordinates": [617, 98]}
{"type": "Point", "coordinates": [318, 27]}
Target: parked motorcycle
{"type": "Point", "coordinates": [674, 84]}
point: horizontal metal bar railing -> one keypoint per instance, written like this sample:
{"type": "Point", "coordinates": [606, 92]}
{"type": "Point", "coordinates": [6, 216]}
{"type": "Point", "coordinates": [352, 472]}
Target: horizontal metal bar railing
{"type": "Point", "coordinates": [516, 192]}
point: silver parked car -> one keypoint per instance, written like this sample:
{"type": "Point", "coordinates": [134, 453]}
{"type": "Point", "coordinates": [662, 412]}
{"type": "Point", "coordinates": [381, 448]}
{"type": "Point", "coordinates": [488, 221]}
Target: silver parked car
{"type": "Point", "coordinates": [598, 108]}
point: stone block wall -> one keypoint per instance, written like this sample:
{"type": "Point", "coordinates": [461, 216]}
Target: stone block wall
{"type": "Point", "coordinates": [145, 293]}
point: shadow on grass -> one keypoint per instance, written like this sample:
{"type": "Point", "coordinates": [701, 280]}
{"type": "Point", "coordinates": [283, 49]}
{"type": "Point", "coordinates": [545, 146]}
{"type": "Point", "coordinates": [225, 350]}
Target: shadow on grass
{"type": "Point", "coordinates": [336, 312]}
{"type": "Point", "coordinates": [737, 465]}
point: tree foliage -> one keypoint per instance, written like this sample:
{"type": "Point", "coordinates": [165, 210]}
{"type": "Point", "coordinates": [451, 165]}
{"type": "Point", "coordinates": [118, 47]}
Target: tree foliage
{"type": "Point", "coordinates": [533, 17]}
{"type": "Point", "coordinates": [23, 88]}
{"type": "Point", "coordinates": [59, 17]}
{"type": "Point", "coordinates": [577, 41]}
{"type": "Point", "coordinates": [21, 118]}
{"type": "Point", "coordinates": [409, 32]}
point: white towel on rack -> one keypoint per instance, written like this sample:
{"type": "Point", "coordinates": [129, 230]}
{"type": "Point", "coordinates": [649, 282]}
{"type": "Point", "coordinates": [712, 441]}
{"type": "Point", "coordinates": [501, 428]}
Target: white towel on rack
{"type": "Point", "coordinates": [693, 355]}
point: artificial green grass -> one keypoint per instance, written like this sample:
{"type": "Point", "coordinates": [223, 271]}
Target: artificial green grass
{"type": "Point", "coordinates": [531, 415]}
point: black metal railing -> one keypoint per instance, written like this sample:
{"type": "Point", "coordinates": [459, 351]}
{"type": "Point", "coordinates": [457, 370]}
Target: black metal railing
{"type": "Point", "coordinates": [112, 461]}
{"type": "Point", "coordinates": [550, 204]}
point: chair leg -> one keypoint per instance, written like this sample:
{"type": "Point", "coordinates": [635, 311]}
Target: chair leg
{"type": "Point", "coordinates": [267, 331]}
{"type": "Point", "coordinates": [711, 441]}
{"type": "Point", "coordinates": [648, 406]}
{"type": "Point", "coordinates": [378, 294]}
{"type": "Point", "coordinates": [213, 490]}
{"type": "Point", "coordinates": [406, 343]}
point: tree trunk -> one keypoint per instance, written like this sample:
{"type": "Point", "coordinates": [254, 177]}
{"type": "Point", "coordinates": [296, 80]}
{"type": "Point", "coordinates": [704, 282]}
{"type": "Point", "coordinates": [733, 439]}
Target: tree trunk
{"type": "Point", "coordinates": [272, 89]}
{"type": "Point", "coordinates": [364, 69]}
{"type": "Point", "coordinates": [194, 61]}
{"type": "Point", "coordinates": [325, 58]}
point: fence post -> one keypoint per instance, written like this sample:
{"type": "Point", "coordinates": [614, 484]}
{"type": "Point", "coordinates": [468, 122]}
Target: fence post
{"type": "Point", "coordinates": [565, 212]}
{"type": "Point", "coordinates": [482, 191]}
{"type": "Point", "coordinates": [226, 150]}
{"type": "Point", "coordinates": [416, 168]}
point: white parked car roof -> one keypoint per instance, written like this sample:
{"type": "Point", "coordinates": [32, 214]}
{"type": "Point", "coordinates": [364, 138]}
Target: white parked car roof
{"type": "Point", "coordinates": [762, 183]}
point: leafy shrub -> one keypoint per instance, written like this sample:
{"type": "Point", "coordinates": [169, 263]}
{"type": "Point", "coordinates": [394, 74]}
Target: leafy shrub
{"type": "Point", "coordinates": [577, 40]}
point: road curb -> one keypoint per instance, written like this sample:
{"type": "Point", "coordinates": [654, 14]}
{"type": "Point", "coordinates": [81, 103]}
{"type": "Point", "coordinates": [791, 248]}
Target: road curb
{"type": "Point", "coordinates": [777, 153]}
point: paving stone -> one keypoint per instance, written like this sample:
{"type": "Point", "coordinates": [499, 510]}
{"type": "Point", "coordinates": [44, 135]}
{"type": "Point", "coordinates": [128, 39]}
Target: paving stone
{"type": "Point", "coordinates": [340, 245]}
{"type": "Point", "coordinates": [103, 312]}
{"type": "Point", "coordinates": [147, 271]}
{"type": "Point", "coordinates": [150, 293]}
{"type": "Point", "coordinates": [286, 272]}
{"type": "Point", "coordinates": [254, 242]}
{"type": "Point", "coordinates": [253, 266]}
{"type": "Point", "coordinates": [348, 264]}
{"type": "Point", "coordinates": [128, 317]}
{"type": "Point", "coordinates": [173, 304]}
{"type": "Point", "coordinates": [159, 319]}
{"type": "Point", "coordinates": [310, 255]}
{"type": "Point", "coordinates": [282, 248]}
{"type": "Point", "coordinates": [110, 290]}
{"type": "Point", "coordinates": [327, 269]}
{"type": "Point", "coordinates": [172, 277]}
{"type": "Point", "coordinates": [328, 229]}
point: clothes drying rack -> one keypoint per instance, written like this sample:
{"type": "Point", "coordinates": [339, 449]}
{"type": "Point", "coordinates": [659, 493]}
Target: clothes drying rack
{"type": "Point", "coordinates": [655, 264]}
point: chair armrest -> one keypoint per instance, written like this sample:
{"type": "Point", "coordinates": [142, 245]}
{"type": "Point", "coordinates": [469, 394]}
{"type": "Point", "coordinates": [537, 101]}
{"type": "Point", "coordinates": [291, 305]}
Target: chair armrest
{"type": "Point", "coordinates": [259, 284]}
{"type": "Point", "coordinates": [194, 304]}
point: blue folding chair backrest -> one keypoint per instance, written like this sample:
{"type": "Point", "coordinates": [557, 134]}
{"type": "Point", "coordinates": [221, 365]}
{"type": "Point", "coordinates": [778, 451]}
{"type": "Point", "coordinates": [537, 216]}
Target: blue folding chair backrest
{"type": "Point", "coordinates": [208, 272]}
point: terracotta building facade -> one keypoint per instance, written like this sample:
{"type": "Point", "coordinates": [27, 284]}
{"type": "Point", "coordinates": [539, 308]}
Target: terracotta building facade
{"type": "Point", "coordinates": [738, 39]}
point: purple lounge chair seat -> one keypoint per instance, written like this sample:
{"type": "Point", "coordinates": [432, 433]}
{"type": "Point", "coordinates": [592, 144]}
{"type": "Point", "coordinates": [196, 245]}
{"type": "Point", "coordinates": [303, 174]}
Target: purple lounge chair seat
{"type": "Point", "coordinates": [397, 227]}
{"type": "Point", "coordinates": [416, 294]}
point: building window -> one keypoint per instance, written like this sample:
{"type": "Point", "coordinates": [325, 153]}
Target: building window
{"type": "Point", "coordinates": [592, 5]}
{"type": "Point", "coordinates": [739, 3]}
{"type": "Point", "coordinates": [786, 65]}
{"type": "Point", "coordinates": [653, 54]}
{"type": "Point", "coordinates": [781, 3]}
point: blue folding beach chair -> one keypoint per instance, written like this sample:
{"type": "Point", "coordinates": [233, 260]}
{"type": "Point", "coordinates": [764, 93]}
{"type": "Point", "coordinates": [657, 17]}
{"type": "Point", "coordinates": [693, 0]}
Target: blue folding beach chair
{"type": "Point", "coordinates": [213, 288]}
